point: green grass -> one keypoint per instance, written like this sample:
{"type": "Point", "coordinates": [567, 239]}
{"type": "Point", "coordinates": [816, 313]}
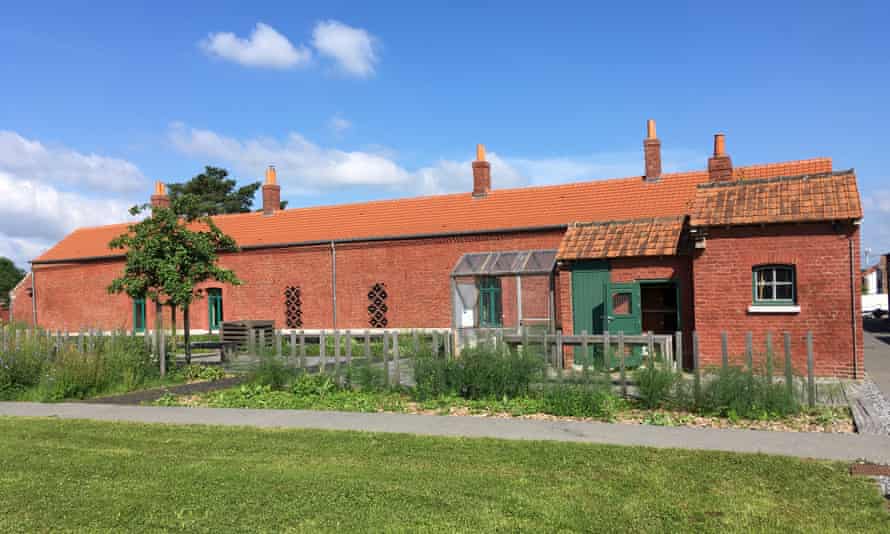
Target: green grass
{"type": "Point", "coordinates": [94, 476]}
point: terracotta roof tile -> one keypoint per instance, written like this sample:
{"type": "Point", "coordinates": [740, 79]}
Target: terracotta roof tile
{"type": "Point", "coordinates": [827, 196]}
{"type": "Point", "coordinates": [501, 209]}
{"type": "Point", "coordinates": [617, 239]}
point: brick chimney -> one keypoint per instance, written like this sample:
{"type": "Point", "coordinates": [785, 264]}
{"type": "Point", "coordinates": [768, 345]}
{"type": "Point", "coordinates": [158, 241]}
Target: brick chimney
{"type": "Point", "coordinates": [481, 173]}
{"type": "Point", "coordinates": [720, 165]}
{"type": "Point", "coordinates": [160, 199]}
{"type": "Point", "coordinates": [271, 192]}
{"type": "Point", "coordinates": [652, 153]}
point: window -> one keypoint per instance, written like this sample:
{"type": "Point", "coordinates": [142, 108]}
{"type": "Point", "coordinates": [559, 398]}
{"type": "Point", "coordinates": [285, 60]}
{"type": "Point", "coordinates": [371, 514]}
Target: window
{"type": "Point", "coordinates": [490, 308]}
{"type": "Point", "coordinates": [214, 308]}
{"type": "Point", "coordinates": [774, 285]}
{"type": "Point", "coordinates": [293, 307]}
{"type": "Point", "coordinates": [139, 315]}
{"type": "Point", "coordinates": [377, 307]}
{"type": "Point", "coordinates": [621, 304]}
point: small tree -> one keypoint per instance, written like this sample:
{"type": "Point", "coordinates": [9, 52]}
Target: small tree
{"type": "Point", "coordinates": [168, 256]}
{"type": "Point", "coordinates": [10, 276]}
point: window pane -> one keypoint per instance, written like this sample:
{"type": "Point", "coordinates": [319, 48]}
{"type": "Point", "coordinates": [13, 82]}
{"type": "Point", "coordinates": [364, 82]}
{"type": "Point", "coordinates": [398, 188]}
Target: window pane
{"type": "Point", "coordinates": [621, 304]}
{"type": "Point", "coordinates": [764, 292]}
{"type": "Point", "coordinates": [783, 291]}
{"type": "Point", "coordinates": [765, 275]}
{"type": "Point", "coordinates": [783, 275]}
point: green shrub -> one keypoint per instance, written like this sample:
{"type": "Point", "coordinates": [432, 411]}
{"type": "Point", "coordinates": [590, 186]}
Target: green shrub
{"type": "Point", "coordinates": [366, 377]}
{"type": "Point", "coordinates": [736, 392]}
{"type": "Point", "coordinates": [656, 385]}
{"type": "Point", "coordinates": [202, 372]}
{"type": "Point", "coordinates": [272, 372]}
{"type": "Point", "coordinates": [487, 371]}
{"type": "Point", "coordinates": [579, 400]}
{"type": "Point", "coordinates": [320, 385]}
{"type": "Point", "coordinates": [436, 377]}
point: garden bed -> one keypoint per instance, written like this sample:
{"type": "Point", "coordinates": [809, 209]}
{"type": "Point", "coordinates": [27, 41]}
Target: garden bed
{"type": "Point", "coordinates": [832, 420]}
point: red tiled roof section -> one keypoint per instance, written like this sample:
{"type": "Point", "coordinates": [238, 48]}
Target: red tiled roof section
{"type": "Point", "coordinates": [786, 168]}
{"type": "Point", "coordinates": [818, 197]}
{"type": "Point", "coordinates": [500, 209]}
{"type": "Point", "coordinates": [621, 239]}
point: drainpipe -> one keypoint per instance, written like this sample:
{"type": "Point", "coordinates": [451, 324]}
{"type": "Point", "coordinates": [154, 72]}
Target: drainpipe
{"type": "Point", "coordinates": [334, 283]}
{"type": "Point", "coordinates": [33, 298]}
{"type": "Point", "coordinates": [853, 317]}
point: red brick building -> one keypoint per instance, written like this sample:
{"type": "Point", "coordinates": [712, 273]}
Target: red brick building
{"type": "Point", "coordinates": [759, 248]}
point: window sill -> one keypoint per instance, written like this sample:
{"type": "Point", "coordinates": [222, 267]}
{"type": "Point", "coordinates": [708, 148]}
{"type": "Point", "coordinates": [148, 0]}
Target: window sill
{"type": "Point", "coordinates": [788, 308]}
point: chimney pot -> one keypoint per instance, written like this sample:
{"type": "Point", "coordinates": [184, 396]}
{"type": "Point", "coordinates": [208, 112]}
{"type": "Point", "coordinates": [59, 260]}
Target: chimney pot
{"type": "Point", "coordinates": [720, 164]}
{"type": "Point", "coordinates": [160, 199]}
{"type": "Point", "coordinates": [652, 153]}
{"type": "Point", "coordinates": [481, 173]}
{"type": "Point", "coordinates": [271, 192]}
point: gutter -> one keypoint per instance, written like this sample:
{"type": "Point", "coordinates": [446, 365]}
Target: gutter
{"type": "Point", "coordinates": [373, 239]}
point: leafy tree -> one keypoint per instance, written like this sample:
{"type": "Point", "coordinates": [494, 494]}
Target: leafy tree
{"type": "Point", "coordinates": [215, 193]}
{"type": "Point", "coordinates": [168, 256]}
{"type": "Point", "coordinates": [10, 275]}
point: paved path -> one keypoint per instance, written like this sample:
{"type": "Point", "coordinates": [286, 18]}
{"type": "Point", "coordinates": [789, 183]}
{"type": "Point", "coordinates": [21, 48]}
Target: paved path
{"type": "Point", "coordinates": [877, 352]}
{"type": "Point", "coordinates": [847, 447]}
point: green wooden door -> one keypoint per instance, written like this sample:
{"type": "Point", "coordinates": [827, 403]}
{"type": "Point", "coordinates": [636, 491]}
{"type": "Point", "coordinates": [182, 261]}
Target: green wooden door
{"type": "Point", "coordinates": [589, 281]}
{"type": "Point", "coordinates": [490, 304]}
{"type": "Point", "coordinates": [214, 308]}
{"type": "Point", "coordinates": [625, 315]}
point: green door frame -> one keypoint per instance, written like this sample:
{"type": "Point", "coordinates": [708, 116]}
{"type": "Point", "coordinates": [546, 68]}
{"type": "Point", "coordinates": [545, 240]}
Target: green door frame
{"type": "Point", "coordinates": [139, 315]}
{"type": "Point", "coordinates": [490, 302]}
{"type": "Point", "coordinates": [214, 308]}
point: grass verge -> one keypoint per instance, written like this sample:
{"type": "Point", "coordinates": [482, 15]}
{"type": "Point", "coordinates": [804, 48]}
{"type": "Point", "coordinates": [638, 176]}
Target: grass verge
{"type": "Point", "coordinates": [97, 476]}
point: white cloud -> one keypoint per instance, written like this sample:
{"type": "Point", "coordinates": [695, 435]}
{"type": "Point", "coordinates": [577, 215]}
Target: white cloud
{"type": "Point", "coordinates": [300, 163]}
{"type": "Point", "coordinates": [264, 48]}
{"type": "Point", "coordinates": [29, 159]}
{"type": "Point", "coordinates": [338, 125]}
{"type": "Point", "coordinates": [354, 49]}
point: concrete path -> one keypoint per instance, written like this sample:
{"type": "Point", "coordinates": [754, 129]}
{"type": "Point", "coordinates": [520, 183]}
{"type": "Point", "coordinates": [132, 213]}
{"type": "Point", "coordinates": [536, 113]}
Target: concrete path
{"type": "Point", "coordinates": [845, 447]}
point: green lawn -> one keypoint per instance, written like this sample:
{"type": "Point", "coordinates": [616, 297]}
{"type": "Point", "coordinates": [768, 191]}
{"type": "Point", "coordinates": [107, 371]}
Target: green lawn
{"type": "Point", "coordinates": [92, 476]}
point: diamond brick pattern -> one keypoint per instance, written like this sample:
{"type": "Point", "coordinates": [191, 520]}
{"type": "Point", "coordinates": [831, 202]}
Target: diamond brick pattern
{"type": "Point", "coordinates": [377, 306]}
{"type": "Point", "coordinates": [293, 307]}
{"type": "Point", "coordinates": [622, 239]}
{"type": "Point", "coordinates": [830, 196]}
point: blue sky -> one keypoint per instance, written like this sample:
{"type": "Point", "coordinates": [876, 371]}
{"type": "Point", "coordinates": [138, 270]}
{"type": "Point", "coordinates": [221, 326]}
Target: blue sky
{"type": "Point", "coordinates": [358, 100]}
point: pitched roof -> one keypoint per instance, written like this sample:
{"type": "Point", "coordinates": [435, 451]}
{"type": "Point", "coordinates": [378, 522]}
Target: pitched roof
{"type": "Point", "coordinates": [827, 196]}
{"type": "Point", "coordinates": [500, 209]}
{"type": "Point", "coordinates": [619, 239]}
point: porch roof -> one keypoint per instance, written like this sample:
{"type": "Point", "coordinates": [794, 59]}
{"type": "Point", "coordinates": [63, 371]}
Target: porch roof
{"type": "Point", "coordinates": [655, 236]}
{"type": "Point", "coordinates": [520, 262]}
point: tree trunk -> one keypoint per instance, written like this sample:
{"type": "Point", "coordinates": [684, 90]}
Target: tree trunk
{"type": "Point", "coordinates": [159, 326]}
{"type": "Point", "coordinates": [187, 335]}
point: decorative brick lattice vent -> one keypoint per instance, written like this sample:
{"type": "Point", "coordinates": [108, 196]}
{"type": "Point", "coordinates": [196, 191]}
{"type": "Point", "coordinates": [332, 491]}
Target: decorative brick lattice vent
{"type": "Point", "coordinates": [377, 307]}
{"type": "Point", "coordinates": [293, 307]}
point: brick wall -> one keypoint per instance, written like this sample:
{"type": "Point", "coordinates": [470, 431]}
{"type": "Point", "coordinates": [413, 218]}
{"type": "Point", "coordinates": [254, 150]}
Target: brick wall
{"type": "Point", "coordinates": [416, 274]}
{"type": "Point", "coordinates": [821, 256]}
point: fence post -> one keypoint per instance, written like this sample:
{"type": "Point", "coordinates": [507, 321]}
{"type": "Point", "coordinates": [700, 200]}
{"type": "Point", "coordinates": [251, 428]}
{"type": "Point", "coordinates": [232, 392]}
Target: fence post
{"type": "Point", "coordinates": [293, 345]}
{"type": "Point", "coordinates": [811, 378]}
{"type": "Point", "coordinates": [367, 347]}
{"type": "Point", "coordinates": [678, 351]}
{"type": "Point", "coordinates": [447, 339]}
{"type": "Point", "coordinates": [416, 340]}
{"type": "Point", "coordinates": [337, 353]}
{"type": "Point", "coordinates": [349, 349]}
{"type": "Point", "coordinates": [545, 348]}
{"type": "Point", "coordinates": [789, 368]}
{"type": "Point", "coordinates": [621, 371]}
{"type": "Point", "coordinates": [650, 347]}
{"type": "Point", "coordinates": [396, 357]}
{"type": "Point", "coordinates": [278, 343]}
{"type": "Point", "coordinates": [749, 350]}
{"type": "Point", "coordinates": [386, 377]}
{"type": "Point", "coordinates": [769, 358]}
{"type": "Point", "coordinates": [81, 338]}
{"type": "Point", "coordinates": [607, 346]}
{"type": "Point", "coordinates": [696, 364]}
{"type": "Point", "coordinates": [435, 344]}
{"type": "Point", "coordinates": [724, 350]}
{"type": "Point", "coordinates": [322, 349]}
{"type": "Point", "coordinates": [302, 360]}
{"type": "Point", "coordinates": [585, 352]}
{"type": "Point", "coordinates": [560, 359]}
{"type": "Point", "coordinates": [262, 342]}
{"type": "Point", "coordinates": [162, 352]}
